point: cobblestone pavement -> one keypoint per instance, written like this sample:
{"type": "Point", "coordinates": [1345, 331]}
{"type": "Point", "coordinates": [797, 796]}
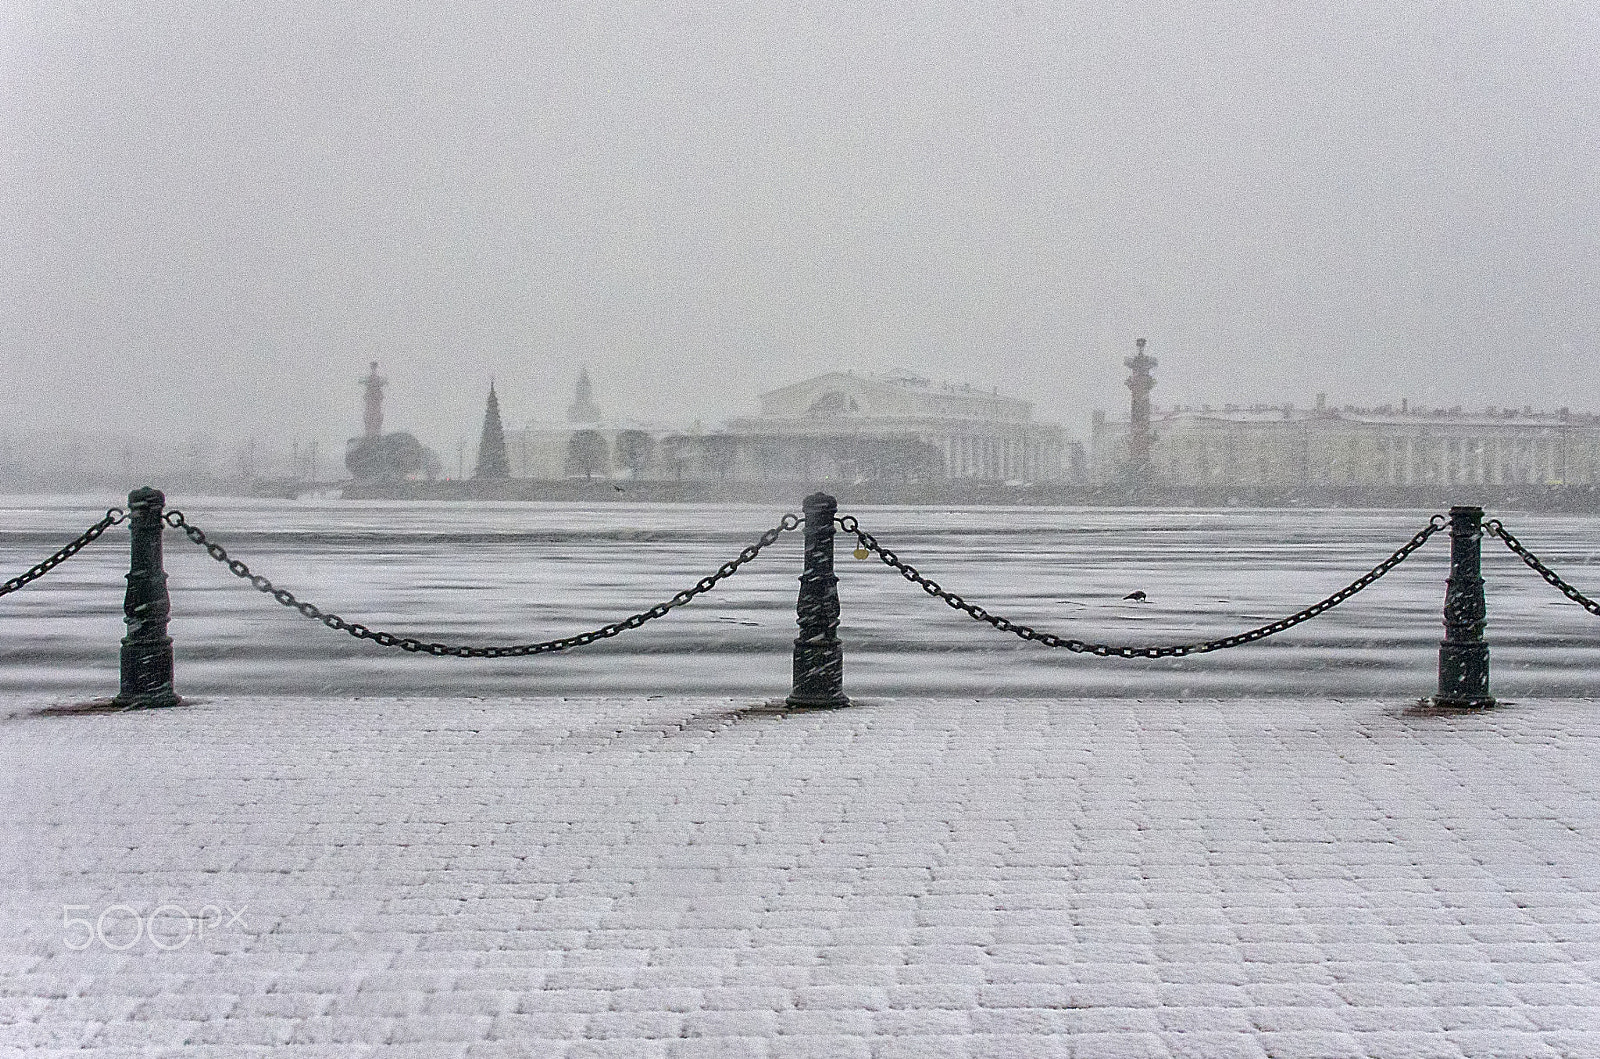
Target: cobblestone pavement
{"type": "Point", "coordinates": [660, 877]}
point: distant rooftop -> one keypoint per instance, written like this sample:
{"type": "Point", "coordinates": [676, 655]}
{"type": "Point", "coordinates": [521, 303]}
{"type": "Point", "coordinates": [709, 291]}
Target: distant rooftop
{"type": "Point", "coordinates": [899, 393]}
{"type": "Point", "coordinates": [1385, 413]}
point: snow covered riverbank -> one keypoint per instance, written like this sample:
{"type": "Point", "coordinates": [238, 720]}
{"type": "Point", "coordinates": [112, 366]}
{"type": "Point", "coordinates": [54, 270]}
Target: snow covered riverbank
{"type": "Point", "coordinates": [687, 877]}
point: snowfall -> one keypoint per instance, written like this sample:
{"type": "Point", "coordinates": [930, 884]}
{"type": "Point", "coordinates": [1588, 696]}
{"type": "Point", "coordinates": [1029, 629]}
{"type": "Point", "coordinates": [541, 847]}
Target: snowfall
{"type": "Point", "coordinates": [632, 849]}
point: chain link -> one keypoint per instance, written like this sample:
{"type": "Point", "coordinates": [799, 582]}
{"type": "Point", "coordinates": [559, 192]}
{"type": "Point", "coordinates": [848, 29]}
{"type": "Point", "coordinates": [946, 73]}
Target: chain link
{"type": "Point", "coordinates": [1495, 528]}
{"type": "Point", "coordinates": [113, 517]}
{"type": "Point", "coordinates": [176, 520]}
{"type": "Point", "coordinates": [849, 524]}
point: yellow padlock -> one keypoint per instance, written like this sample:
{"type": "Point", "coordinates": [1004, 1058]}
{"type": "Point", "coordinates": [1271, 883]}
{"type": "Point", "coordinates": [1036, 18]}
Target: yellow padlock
{"type": "Point", "coordinates": [861, 553]}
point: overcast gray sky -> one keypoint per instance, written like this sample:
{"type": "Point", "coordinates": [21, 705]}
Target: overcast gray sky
{"type": "Point", "coordinates": [218, 213]}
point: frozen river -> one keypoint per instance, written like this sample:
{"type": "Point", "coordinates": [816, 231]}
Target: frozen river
{"type": "Point", "coordinates": [507, 573]}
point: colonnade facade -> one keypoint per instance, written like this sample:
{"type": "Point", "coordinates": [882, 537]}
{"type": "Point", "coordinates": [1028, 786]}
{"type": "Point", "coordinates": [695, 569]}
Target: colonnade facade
{"type": "Point", "coordinates": [1199, 449]}
{"type": "Point", "coordinates": [1000, 456]}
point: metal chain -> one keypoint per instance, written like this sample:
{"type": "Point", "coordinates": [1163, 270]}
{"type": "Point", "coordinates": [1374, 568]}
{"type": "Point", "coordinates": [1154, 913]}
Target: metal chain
{"type": "Point", "coordinates": [1495, 528]}
{"type": "Point", "coordinates": [849, 524]}
{"type": "Point", "coordinates": [175, 519]}
{"type": "Point", "coordinates": [113, 517]}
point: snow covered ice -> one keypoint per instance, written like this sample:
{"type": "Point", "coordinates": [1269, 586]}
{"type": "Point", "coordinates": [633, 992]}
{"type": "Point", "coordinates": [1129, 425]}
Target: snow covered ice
{"type": "Point", "coordinates": [510, 573]}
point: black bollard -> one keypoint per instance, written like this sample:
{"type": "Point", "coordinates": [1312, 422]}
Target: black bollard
{"type": "Point", "coordinates": [147, 649]}
{"type": "Point", "coordinates": [1463, 655]}
{"type": "Point", "coordinates": [818, 655]}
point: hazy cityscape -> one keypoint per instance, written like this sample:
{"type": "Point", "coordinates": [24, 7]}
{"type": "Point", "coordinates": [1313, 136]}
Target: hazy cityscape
{"type": "Point", "coordinates": [808, 530]}
{"type": "Point", "coordinates": [877, 435]}
{"type": "Point", "coordinates": [1379, 206]}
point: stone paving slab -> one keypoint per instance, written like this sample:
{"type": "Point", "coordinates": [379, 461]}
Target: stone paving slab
{"type": "Point", "coordinates": [662, 878]}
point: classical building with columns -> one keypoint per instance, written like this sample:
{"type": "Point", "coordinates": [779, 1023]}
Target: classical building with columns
{"type": "Point", "coordinates": [840, 426]}
{"type": "Point", "coordinates": [1288, 447]}
{"type": "Point", "coordinates": [902, 427]}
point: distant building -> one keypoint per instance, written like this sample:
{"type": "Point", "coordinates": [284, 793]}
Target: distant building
{"type": "Point", "coordinates": [837, 426]}
{"type": "Point", "coordinates": [845, 426]}
{"type": "Point", "coordinates": [583, 408]}
{"type": "Point", "coordinates": [1288, 447]}
{"type": "Point", "coordinates": [586, 445]}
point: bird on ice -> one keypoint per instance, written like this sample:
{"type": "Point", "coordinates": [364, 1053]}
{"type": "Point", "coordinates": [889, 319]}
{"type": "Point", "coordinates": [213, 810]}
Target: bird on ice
{"type": "Point", "coordinates": [1137, 595]}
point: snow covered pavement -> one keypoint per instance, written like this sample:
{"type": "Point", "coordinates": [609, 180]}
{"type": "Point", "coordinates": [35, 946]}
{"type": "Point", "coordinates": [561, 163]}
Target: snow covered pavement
{"type": "Point", "coordinates": [669, 877]}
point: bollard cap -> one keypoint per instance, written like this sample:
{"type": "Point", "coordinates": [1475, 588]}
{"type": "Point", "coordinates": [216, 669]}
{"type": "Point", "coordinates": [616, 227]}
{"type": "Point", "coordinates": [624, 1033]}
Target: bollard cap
{"type": "Point", "coordinates": [146, 496]}
{"type": "Point", "coordinates": [820, 502]}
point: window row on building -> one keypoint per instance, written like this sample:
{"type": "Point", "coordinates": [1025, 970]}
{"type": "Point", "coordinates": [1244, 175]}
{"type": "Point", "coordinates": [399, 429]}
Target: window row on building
{"type": "Point", "coordinates": [1285, 448]}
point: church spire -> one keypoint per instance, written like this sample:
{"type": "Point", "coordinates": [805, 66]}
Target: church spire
{"type": "Point", "coordinates": [583, 408]}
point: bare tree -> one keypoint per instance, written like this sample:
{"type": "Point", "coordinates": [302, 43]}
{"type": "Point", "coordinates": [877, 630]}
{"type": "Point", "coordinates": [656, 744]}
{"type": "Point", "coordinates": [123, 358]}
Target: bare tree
{"type": "Point", "coordinates": [588, 454]}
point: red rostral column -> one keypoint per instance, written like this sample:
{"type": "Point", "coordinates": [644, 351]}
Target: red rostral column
{"type": "Point", "coordinates": [372, 413]}
{"type": "Point", "coordinates": [1140, 437]}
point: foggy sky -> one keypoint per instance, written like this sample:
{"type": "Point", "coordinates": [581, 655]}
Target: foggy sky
{"type": "Point", "coordinates": [216, 214]}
